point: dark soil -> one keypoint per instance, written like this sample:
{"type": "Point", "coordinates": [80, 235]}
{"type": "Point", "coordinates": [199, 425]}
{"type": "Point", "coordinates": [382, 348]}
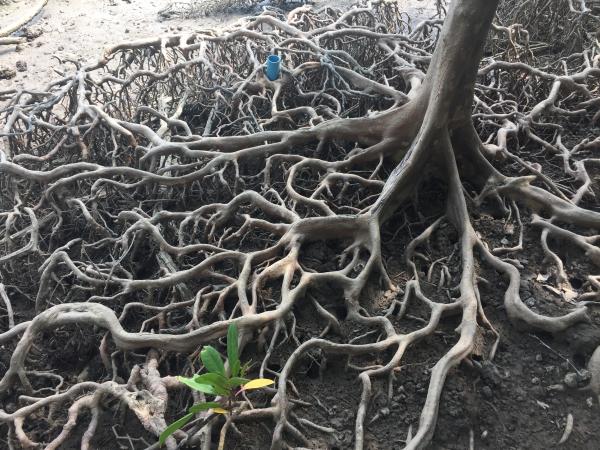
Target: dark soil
{"type": "Point", "coordinates": [519, 401]}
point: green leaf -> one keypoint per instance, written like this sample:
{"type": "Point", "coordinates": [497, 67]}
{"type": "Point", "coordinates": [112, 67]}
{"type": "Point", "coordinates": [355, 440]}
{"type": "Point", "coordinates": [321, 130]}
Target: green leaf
{"type": "Point", "coordinates": [206, 388]}
{"type": "Point", "coordinates": [203, 407]}
{"type": "Point", "coordinates": [232, 350]}
{"type": "Point", "coordinates": [218, 382]}
{"type": "Point", "coordinates": [214, 379]}
{"type": "Point", "coordinates": [212, 360]}
{"type": "Point", "coordinates": [174, 427]}
{"type": "Point", "coordinates": [236, 381]}
{"type": "Point", "coordinates": [235, 369]}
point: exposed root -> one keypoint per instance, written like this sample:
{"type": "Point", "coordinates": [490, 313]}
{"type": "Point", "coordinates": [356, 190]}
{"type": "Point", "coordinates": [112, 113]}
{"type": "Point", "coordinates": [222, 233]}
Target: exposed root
{"type": "Point", "coordinates": [170, 189]}
{"type": "Point", "coordinates": [31, 13]}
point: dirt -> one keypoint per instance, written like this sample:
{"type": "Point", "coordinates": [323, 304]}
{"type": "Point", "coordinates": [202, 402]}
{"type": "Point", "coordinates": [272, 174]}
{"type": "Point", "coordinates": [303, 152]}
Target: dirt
{"type": "Point", "coordinates": [521, 402]}
{"type": "Point", "coordinates": [80, 29]}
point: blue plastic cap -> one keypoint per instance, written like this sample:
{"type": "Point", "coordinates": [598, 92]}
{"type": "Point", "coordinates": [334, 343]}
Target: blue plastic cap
{"type": "Point", "coordinates": [273, 68]}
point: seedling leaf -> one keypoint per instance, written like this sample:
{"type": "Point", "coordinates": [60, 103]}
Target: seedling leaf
{"type": "Point", "coordinates": [235, 369]}
{"type": "Point", "coordinates": [218, 382]}
{"type": "Point", "coordinates": [174, 427]}
{"type": "Point", "coordinates": [212, 360]}
{"type": "Point", "coordinates": [236, 381]}
{"type": "Point", "coordinates": [206, 388]}
{"type": "Point", "coordinates": [232, 350]}
{"type": "Point", "coordinates": [203, 407]}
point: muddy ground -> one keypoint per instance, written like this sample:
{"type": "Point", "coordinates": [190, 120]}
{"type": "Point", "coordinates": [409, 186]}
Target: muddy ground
{"type": "Point", "coordinates": [521, 403]}
{"type": "Point", "coordinates": [79, 30]}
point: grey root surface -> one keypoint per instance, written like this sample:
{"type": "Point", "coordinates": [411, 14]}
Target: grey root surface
{"type": "Point", "coordinates": [152, 198]}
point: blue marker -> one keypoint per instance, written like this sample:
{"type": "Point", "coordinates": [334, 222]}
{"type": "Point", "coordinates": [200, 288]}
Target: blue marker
{"type": "Point", "coordinates": [273, 67]}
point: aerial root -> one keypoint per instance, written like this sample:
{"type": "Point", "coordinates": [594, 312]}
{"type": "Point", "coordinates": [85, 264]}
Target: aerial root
{"type": "Point", "coordinates": [198, 191]}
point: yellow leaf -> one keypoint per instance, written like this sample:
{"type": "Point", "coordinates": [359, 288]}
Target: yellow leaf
{"type": "Point", "coordinates": [220, 411]}
{"type": "Point", "coordinates": [257, 384]}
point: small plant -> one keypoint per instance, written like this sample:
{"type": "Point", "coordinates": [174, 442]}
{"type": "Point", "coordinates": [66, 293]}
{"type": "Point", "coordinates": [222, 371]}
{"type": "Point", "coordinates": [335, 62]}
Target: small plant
{"type": "Point", "coordinates": [227, 384]}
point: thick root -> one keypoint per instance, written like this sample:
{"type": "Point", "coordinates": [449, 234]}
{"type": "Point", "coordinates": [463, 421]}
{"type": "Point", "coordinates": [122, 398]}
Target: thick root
{"type": "Point", "coordinates": [159, 195]}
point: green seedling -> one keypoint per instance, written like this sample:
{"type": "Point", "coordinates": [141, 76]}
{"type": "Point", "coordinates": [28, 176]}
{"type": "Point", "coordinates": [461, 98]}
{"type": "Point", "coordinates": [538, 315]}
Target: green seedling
{"type": "Point", "coordinates": [219, 382]}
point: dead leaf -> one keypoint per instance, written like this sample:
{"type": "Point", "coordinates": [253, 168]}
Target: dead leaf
{"type": "Point", "coordinates": [552, 289]}
{"type": "Point", "coordinates": [542, 278]}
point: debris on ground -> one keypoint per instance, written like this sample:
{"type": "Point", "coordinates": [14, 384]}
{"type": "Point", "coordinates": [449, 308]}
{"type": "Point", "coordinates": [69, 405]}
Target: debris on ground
{"type": "Point", "coordinates": [7, 73]}
{"type": "Point", "coordinates": [21, 66]}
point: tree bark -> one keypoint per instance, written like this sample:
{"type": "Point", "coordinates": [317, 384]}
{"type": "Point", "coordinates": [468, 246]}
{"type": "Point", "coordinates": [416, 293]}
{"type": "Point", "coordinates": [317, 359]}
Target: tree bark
{"type": "Point", "coordinates": [444, 102]}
